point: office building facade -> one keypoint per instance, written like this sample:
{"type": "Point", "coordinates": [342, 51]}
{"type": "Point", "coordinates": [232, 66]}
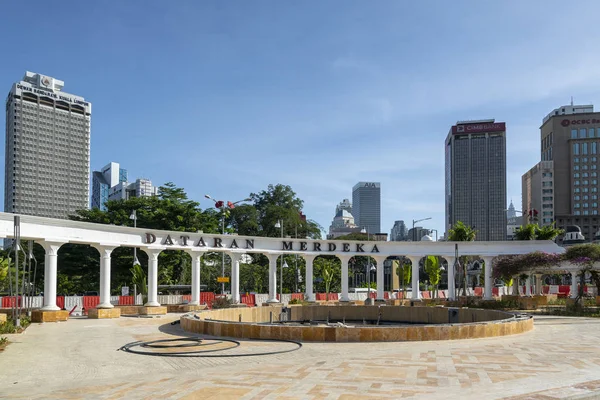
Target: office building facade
{"type": "Point", "coordinates": [571, 141]}
{"type": "Point", "coordinates": [47, 149]}
{"type": "Point", "coordinates": [343, 221]}
{"type": "Point", "coordinates": [366, 206]}
{"type": "Point", "coordinates": [111, 183]}
{"type": "Point", "coordinates": [537, 192]}
{"type": "Point", "coordinates": [102, 181]}
{"type": "Point", "coordinates": [475, 175]}
{"type": "Point", "coordinates": [399, 232]}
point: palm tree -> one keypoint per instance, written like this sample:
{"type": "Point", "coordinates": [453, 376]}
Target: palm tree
{"type": "Point", "coordinates": [535, 232]}
{"type": "Point", "coordinates": [462, 233]}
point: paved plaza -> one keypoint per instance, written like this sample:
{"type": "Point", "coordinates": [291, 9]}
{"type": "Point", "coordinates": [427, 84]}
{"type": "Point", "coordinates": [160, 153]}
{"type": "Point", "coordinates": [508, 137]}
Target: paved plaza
{"type": "Point", "coordinates": [559, 359]}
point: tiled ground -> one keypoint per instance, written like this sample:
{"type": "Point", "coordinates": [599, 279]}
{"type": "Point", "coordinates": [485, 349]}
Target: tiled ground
{"type": "Point", "coordinates": [79, 359]}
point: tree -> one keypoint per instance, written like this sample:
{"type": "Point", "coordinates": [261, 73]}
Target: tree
{"type": "Point", "coordinates": [433, 270]}
{"type": "Point", "coordinates": [169, 210]}
{"type": "Point", "coordinates": [279, 202]}
{"type": "Point", "coordinates": [362, 237]}
{"type": "Point", "coordinates": [404, 271]}
{"type": "Point", "coordinates": [535, 232]}
{"type": "Point", "coordinates": [138, 278]}
{"type": "Point", "coordinates": [329, 268]}
{"type": "Point", "coordinates": [462, 233]}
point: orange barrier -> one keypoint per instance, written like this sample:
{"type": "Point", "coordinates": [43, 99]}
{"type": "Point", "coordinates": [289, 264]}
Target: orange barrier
{"type": "Point", "coordinates": [90, 302]}
{"type": "Point", "coordinates": [126, 301]}
{"type": "Point", "coordinates": [248, 299]}
{"type": "Point", "coordinates": [297, 296]}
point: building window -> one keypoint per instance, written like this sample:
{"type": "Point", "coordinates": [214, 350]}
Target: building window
{"type": "Point", "coordinates": [585, 174]}
{"type": "Point", "coordinates": [585, 190]}
{"type": "Point", "coordinates": [594, 205]}
{"type": "Point", "coordinates": [576, 198]}
{"type": "Point", "coordinates": [547, 184]}
{"type": "Point", "coordinates": [584, 150]}
{"type": "Point", "coordinates": [576, 175]}
{"type": "Point", "coordinates": [591, 132]}
{"type": "Point", "coordinates": [584, 159]}
{"type": "Point", "coordinates": [585, 197]}
{"type": "Point", "coordinates": [582, 133]}
{"type": "Point", "coordinates": [576, 205]}
{"type": "Point", "coordinates": [573, 133]}
{"type": "Point", "coordinates": [576, 148]}
{"type": "Point", "coordinates": [576, 183]}
{"type": "Point", "coordinates": [594, 181]}
{"type": "Point", "coordinates": [547, 174]}
{"type": "Point", "coordinates": [576, 160]}
{"type": "Point", "coordinates": [577, 212]}
{"type": "Point", "coordinates": [586, 182]}
{"type": "Point", "coordinates": [594, 190]}
{"type": "Point", "coordinates": [577, 190]}
{"type": "Point", "coordinates": [594, 148]}
{"type": "Point", "coordinates": [585, 205]}
{"type": "Point", "coordinates": [584, 167]}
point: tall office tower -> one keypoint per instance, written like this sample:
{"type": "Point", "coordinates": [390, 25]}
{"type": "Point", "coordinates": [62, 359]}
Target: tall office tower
{"type": "Point", "coordinates": [513, 221]}
{"type": "Point", "coordinates": [399, 232]}
{"type": "Point", "coordinates": [570, 137]}
{"type": "Point", "coordinates": [476, 177]}
{"type": "Point", "coordinates": [140, 188]}
{"type": "Point", "coordinates": [366, 206]}
{"type": "Point", "coordinates": [110, 176]}
{"type": "Point", "coordinates": [537, 194]}
{"type": "Point", "coordinates": [343, 221]}
{"type": "Point", "coordinates": [47, 160]}
{"type": "Point", "coordinates": [344, 205]}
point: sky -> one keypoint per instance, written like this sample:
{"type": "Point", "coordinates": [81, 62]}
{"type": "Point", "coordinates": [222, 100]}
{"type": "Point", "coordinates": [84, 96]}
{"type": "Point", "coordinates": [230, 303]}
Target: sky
{"type": "Point", "coordinates": [227, 97]}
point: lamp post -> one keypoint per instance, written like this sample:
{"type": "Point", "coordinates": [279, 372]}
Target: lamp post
{"type": "Point", "coordinates": [133, 216]}
{"type": "Point", "coordinates": [370, 268]}
{"type": "Point", "coordinates": [413, 226]}
{"type": "Point", "coordinates": [220, 204]}
{"type": "Point", "coordinates": [279, 224]}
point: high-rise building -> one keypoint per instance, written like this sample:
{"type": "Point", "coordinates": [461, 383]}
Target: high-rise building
{"type": "Point", "coordinates": [111, 184]}
{"type": "Point", "coordinates": [537, 193]}
{"type": "Point", "coordinates": [343, 221]}
{"type": "Point", "coordinates": [476, 177]}
{"type": "Point", "coordinates": [102, 181]}
{"type": "Point", "coordinates": [366, 206]}
{"type": "Point", "coordinates": [513, 221]}
{"type": "Point", "coordinates": [47, 159]}
{"type": "Point", "coordinates": [140, 188]}
{"type": "Point", "coordinates": [570, 138]}
{"type": "Point", "coordinates": [399, 232]}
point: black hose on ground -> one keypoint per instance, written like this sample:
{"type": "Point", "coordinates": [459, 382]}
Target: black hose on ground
{"type": "Point", "coordinates": [198, 341]}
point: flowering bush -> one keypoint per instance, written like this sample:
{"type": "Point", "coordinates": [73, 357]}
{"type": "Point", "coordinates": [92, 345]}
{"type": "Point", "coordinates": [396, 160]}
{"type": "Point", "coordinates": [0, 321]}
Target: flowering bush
{"type": "Point", "coordinates": [584, 255]}
{"type": "Point", "coordinates": [508, 266]}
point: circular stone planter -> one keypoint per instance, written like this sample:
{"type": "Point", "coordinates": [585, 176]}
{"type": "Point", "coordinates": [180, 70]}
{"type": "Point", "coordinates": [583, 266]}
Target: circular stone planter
{"type": "Point", "coordinates": [357, 323]}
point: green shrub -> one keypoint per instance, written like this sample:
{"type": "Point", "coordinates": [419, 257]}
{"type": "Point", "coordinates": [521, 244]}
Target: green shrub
{"type": "Point", "coordinates": [298, 301]}
{"type": "Point", "coordinates": [10, 327]}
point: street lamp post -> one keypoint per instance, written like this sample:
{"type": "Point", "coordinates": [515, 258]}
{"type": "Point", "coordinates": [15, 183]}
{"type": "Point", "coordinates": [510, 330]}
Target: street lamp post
{"type": "Point", "coordinates": [413, 226]}
{"type": "Point", "coordinates": [436, 233]}
{"type": "Point", "coordinates": [282, 263]}
{"type": "Point", "coordinates": [220, 204]}
{"type": "Point", "coordinates": [370, 268]}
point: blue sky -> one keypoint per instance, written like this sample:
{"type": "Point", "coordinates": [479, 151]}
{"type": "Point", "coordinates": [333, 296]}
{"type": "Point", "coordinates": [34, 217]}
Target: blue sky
{"type": "Point", "coordinates": [228, 97]}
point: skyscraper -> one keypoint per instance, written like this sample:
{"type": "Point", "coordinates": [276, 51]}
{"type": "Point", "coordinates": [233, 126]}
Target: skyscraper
{"type": "Point", "coordinates": [111, 175]}
{"type": "Point", "coordinates": [366, 206]}
{"type": "Point", "coordinates": [47, 160]}
{"type": "Point", "coordinates": [567, 175]}
{"type": "Point", "coordinates": [399, 232]}
{"type": "Point", "coordinates": [476, 177]}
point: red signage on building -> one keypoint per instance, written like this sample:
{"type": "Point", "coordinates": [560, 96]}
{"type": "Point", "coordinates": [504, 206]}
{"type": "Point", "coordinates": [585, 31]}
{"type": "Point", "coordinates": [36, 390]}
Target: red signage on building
{"type": "Point", "coordinates": [567, 122]}
{"type": "Point", "coordinates": [479, 128]}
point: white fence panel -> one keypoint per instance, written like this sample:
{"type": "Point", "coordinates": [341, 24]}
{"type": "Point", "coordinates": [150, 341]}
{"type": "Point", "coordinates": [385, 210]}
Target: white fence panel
{"type": "Point", "coordinates": [261, 298]}
{"type": "Point", "coordinates": [285, 298]}
{"type": "Point", "coordinates": [74, 301]}
{"type": "Point", "coordinates": [114, 300]}
{"type": "Point", "coordinates": [139, 300]}
{"type": "Point", "coordinates": [553, 289]}
{"type": "Point", "coordinates": [170, 299]}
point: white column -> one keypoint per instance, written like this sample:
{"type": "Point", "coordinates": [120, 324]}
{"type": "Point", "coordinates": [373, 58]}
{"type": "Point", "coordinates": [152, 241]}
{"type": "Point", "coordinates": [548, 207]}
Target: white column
{"type": "Point", "coordinates": [538, 284]}
{"type": "Point", "coordinates": [235, 277]}
{"type": "Point", "coordinates": [380, 277]}
{"type": "Point", "coordinates": [310, 294]}
{"type": "Point", "coordinates": [105, 252]}
{"type": "Point", "coordinates": [153, 277]}
{"type": "Point", "coordinates": [574, 284]}
{"type": "Point", "coordinates": [50, 267]}
{"type": "Point", "coordinates": [416, 293]}
{"type": "Point", "coordinates": [528, 286]}
{"type": "Point", "coordinates": [196, 262]}
{"type": "Point", "coordinates": [344, 259]}
{"type": "Point", "coordinates": [272, 278]}
{"type": "Point", "coordinates": [451, 283]}
{"type": "Point", "coordinates": [487, 291]}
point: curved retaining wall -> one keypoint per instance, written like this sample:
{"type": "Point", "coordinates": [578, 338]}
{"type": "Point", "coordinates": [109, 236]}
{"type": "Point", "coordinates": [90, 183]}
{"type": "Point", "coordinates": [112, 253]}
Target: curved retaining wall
{"type": "Point", "coordinates": [252, 323]}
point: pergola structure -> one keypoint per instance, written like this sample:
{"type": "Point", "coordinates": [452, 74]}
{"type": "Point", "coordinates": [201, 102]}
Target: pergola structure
{"type": "Point", "coordinates": [53, 233]}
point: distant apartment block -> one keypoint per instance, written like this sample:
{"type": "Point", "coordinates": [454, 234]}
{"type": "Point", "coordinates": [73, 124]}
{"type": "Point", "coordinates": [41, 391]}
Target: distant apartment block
{"type": "Point", "coordinates": [111, 183]}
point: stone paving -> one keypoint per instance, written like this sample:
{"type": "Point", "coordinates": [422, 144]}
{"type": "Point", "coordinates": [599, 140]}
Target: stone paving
{"type": "Point", "coordinates": [559, 359]}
